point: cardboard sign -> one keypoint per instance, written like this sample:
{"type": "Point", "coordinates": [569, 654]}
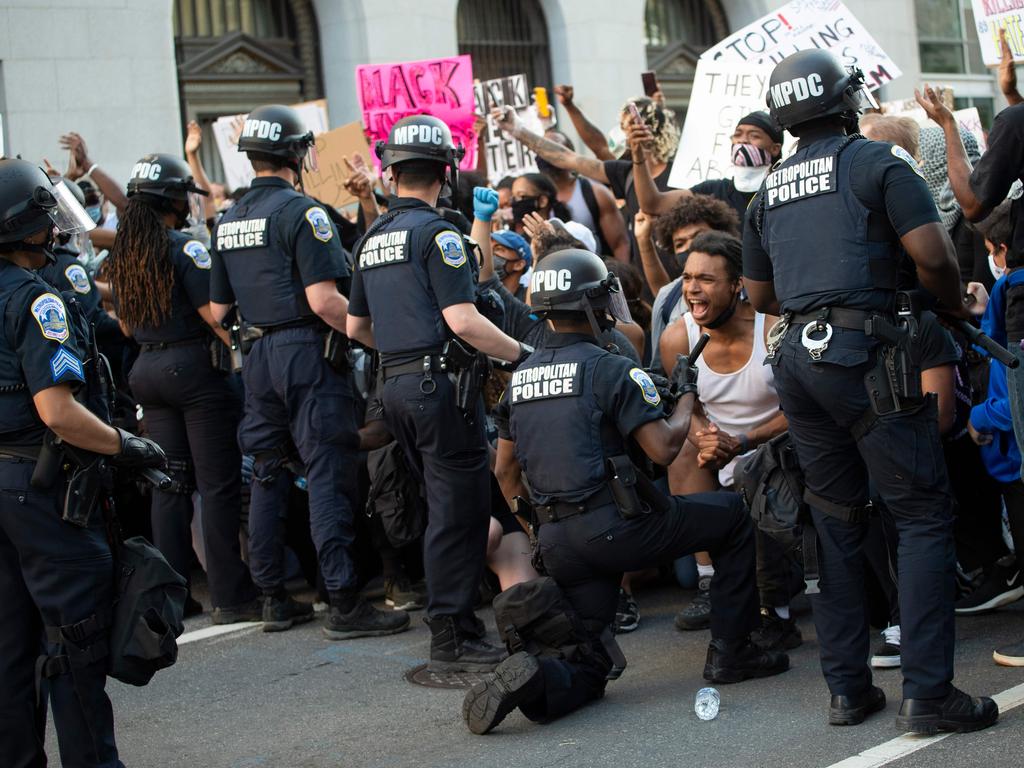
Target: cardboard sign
{"type": "Point", "coordinates": [226, 130]}
{"type": "Point", "coordinates": [804, 25]}
{"type": "Point", "coordinates": [439, 87]}
{"type": "Point", "coordinates": [966, 119]}
{"type": "Point", "coordinates": [992, 15]}
{"type": "Point", "coordinates": [507, 156]}
{"type": "Point", "coordinates": [333, 148]}
{"type": "Point", "coordinates": [723, 92]}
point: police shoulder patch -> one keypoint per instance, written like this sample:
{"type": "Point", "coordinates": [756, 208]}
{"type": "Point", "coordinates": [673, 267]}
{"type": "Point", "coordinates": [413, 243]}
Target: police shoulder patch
{"type": "Point", "coordinates": [77, 278]}
{"type": "Point", "coordinates": [63, 363]}
{"type": "Point", "coordinates": [50, 314]}
{"type": "Point", "coordinates": [198, 253]}
{"type": "Point", "coordinates": [321, 223]}
{"type": "Point", "coordinates": [452, 252]}
{"type": "Point", "coordinates": [906, 157]}
{"type": "Point", "coordinates": [643, 380]}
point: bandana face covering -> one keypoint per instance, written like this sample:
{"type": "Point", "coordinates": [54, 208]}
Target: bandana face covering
{"type": "Point", "coordinates": [750, 165]}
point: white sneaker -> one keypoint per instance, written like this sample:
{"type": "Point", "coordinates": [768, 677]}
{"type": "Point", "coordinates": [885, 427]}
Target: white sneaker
{"type": "Point", "coordinates": [887, 654]}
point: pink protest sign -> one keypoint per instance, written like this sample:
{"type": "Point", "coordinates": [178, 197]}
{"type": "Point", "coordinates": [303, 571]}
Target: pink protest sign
{"type": "Point", "coordinates": [439, 87]}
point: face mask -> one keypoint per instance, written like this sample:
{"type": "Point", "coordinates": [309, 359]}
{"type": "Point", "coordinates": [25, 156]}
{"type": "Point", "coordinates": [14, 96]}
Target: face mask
{"type": "Point", "coordinates": [500, 267]}
{"type": "Point", "coordinates": [995, 269]}
{"type": "Point", "coordinates": [750, 156]}
{"type": "Point", "coordinates": [522, 207]}
{"type": "Point", "coordinates": [95, 212]}
{"type": "Point", "coordinates": [681, 257]}
{"type": "Point", "coordinates": [748, 179]}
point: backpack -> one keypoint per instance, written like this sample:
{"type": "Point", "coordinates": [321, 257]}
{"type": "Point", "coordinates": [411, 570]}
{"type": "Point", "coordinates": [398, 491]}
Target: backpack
{"type": "Point", "coordinates": [149, 605]}
{"type": "Point", "coordinates": [395, 495]}
{"type": "Point", "coordinates": [772, 486]}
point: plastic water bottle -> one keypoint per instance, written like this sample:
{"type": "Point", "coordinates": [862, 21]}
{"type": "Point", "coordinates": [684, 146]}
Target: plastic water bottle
{"type": "Point", "coordinates": [706, 705]}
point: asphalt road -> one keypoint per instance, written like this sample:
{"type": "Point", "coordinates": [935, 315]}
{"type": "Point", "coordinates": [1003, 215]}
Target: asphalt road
{"type": "Point", "coordinates": [296, 700]}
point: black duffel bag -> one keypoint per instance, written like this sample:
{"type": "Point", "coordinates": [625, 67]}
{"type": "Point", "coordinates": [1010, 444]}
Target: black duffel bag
{"type": "Point", "coordinates": [395, 496]}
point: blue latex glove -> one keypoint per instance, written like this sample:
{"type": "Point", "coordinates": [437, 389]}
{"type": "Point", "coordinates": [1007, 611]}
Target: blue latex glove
{"type": "Point", "coordinates": [485, 203]}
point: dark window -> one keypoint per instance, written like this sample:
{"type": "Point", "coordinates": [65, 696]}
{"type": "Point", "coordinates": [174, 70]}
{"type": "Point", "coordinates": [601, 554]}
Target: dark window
{"type": "Point", "coordinates": [677, 32]}
{"type": "Point", "coordinates": [505, 37]}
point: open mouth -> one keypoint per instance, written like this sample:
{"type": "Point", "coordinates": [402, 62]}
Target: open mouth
{"type": "Point", "coordinates": [698, 308]}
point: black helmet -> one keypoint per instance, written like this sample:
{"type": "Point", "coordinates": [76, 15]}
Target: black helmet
{"type": "Point", "coordinates": [163, 179]}
{"type": "Point", "coordinates": [31, 202]}
{"type": "Point", "coordinates": [277, 130]}
{"type": "Point", "coordinates": [421, 137]}
{"type": "Point", "coordinates": [577, 281]}
{"type": "Point", "coordinates": [813, 84]}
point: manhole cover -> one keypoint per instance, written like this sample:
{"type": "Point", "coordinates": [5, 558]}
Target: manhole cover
{"type": "Point", "coordinates": [422, 676]}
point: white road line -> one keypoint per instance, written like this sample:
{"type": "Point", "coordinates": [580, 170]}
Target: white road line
{"type": "Point", "coordinates": [214, 630]}
{"type": "Point", "coordinates": [907, 744]}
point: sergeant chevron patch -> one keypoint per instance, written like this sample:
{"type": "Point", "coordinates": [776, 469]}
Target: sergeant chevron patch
{"type": "Point", "coordinates": [64, 362]}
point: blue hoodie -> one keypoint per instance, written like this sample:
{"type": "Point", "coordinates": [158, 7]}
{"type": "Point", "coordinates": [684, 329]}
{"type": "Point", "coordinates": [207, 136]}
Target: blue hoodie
{"type": "Point", "coordinates": [1002, 456]}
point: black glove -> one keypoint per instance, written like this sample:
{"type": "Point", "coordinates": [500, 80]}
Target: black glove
{"type": "Point", "coordinates": [684, 376]}
{"type": "Point", "coordinates": [663, 385]}
{"type": "Point", "coordinates": [138, 452]}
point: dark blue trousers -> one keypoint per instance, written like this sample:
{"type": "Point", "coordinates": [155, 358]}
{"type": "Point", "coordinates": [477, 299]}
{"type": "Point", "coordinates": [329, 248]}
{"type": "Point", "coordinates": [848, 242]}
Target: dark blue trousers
{"type": "Point", "coordinates": [52, 574]}
{"type": "Point", "coordinates": [295, 403]}
{"type": "Point", "coordinates": [903, 455]}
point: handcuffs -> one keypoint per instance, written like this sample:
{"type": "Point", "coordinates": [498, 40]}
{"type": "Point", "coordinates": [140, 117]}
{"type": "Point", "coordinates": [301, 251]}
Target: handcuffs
{"type": "Point", "coordinates": [814, 346]}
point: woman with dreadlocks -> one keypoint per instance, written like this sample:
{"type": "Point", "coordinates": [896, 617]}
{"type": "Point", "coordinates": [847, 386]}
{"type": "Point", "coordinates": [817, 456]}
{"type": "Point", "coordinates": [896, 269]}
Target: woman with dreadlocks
{"type": "Point", "coordinates": [161, 283]}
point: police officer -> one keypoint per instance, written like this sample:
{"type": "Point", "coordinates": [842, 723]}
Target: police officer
{"type": "Point", "coordinates": [160, 278]}
{"type": "Point", "coordinates": [577, 415]}
{"type": "Point", "coordinates": [834, 285]}
{"type": "Point", "coordinates": [276, 253]}
{"type": "Point", "coordinates": [414, 291]}
{"type": "Point", "coordinates": [55, 577]}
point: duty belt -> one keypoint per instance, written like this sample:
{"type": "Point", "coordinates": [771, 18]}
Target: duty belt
{"type": "Point", "coordinates": [20, 453]}
{"type": "Point", "coordinates": [304, 322]}
{"type": "Point", "coordinates": [563, 510]}
{"type": "Point", "coordinates": [851, 319]}
{"type": "Point", "coordinates": [419, 365]}
{"type": "Point", "coordinates": [152, 346]}
{"type": "Point", "coordinates": [817, 327]}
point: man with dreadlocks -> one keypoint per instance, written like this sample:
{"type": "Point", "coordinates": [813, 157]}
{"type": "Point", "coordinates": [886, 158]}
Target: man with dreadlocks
{"type": "Point", "coordinates": [161, 283]}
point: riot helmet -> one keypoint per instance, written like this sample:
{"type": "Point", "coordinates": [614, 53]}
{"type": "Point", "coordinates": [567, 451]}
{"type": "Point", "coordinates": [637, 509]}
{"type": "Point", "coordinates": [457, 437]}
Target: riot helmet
{"type": "Point", "coordinates": [575, 282]}
{"type": "Point", "coordinates": [812, 84]}
{"type": "Point", "coordinates": [277, 130]}
{"type": "Point", "coordinates": [422, 138]}
{"type": "Point", "coordinates": [30, 203]}
{"type": "Point", "coordinates": [162, 180]}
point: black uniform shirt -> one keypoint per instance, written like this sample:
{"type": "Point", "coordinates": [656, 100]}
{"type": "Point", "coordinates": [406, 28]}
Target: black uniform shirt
{"type": "Point", "coordinates": [883, 181]}
{"type": "Point", "coordinates": [725, 190]}
{"type": "Point", "coordinates": [191, 290]}
{"type": "Point", "coordinates": [1000, 166]}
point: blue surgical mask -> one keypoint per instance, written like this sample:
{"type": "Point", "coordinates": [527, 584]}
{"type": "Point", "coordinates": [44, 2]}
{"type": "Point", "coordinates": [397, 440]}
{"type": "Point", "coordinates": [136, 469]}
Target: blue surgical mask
{"type": "Point", "coordinates": [95, 212]}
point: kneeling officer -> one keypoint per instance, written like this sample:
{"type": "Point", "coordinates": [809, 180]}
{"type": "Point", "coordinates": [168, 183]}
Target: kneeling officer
{"type": "Point", "coordinates": [574, 414]}
{"type": "Point", "coordinates": [56, 578]}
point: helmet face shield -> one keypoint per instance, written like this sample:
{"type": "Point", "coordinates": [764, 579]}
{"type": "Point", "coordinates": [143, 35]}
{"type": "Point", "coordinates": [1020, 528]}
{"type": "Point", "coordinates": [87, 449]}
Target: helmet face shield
{"type": "Point", "coordinates": [68, 215]}
{"type": "Point", "coordinates": [195, 208]}
{"type": "Point", "coordinates": [617, 307]}
{"type": "Point", "coordinates": [311, 160]}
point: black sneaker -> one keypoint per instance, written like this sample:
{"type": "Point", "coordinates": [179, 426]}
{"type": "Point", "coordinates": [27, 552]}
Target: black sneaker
{"type": "Point", "coordinates": [1002, 586]}
{"type": "Point", "coordinates": [402, 595]}
{"type": "Point", "coordinates": [697, 615]}
{"type": "Point", "coordinates": [1010, 655]}
{"type": "Point", "coordinates": [776, 633]}
{"type": "Point", "coordinates": [363, 621]}
{"type": "Point", "coordinates": [518, 679]}
{"type": "Point", "coordinates": [453, 649]}
{"type": "Point", "coordinates": [281, 612]}
{"type": "Point", "coordinates": [233, 614]}
{"type": "Point", "coordinates": [958, 713]}
{"type": "Point", "coordinates": [887, 653]}
{"type": "Point", "coordinates": [851, 710]}
{"type": "Point", "coordinates": [627, 614]}
{"type": "Point", "coordinates": [734, 662]}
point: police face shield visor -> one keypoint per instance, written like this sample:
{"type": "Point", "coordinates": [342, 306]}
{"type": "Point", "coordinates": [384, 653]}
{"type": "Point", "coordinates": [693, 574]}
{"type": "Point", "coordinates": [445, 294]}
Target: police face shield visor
{"type": "Point", "coordinates": [66, 213]}
{"type": "Point", "coordinates": [311, 160]}
{"type": "Point", "coordinates": [617, 308]}
{"type": "Point", "coordinates": [196, 214]}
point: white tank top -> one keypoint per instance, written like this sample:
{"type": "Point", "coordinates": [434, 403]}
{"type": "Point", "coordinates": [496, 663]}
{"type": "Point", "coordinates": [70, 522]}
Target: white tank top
{"type": "Point", "coordinates": [577, 205]}
{"type": "Point", "coordinates": [739, 401]}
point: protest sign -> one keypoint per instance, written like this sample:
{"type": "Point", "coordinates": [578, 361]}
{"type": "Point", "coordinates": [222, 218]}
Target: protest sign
{"type": "Point", "coordinates": [439, 87]}
{"type": "Point", "coordinates": [505, 155]}
{"type": "Point", "coordinates": [992, 15]}
{"type": "Point", "coordinates": [723, 92]}
{"type": "Point", "coordinates": [967, 119]}
{"type": "Point", "coordinates": [333, 148]}
{"type": "Point", "coordinates": [226, 130]}
{"type": "Point", "coordinates": [803, 25]}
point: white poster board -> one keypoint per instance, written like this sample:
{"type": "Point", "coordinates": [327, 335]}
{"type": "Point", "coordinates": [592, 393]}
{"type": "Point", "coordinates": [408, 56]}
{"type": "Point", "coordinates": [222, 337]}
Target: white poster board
{"type": "Point", "coordinates": [804, 25]}
{"type": "Point", "coordinates": [992, 15]}
{"type": "Point", "coordinates": [237, 169]}
{"type": "Point", "coordinates": [967, 119]}
{"type": "Point", "coordinates": [505, 155]}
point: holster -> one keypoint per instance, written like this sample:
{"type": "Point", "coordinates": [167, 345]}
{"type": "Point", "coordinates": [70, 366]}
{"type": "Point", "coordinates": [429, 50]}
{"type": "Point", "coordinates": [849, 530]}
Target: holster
{"type": "Point", "coordinates": [894, 384]}
{"type": "Point", "coordinates": [223, 358]}
{"type": "Point", "coordinates": [85, 489]}
{"type": "Point", "coordinates": [468, 371]}
{"type": "Point", "coordinates": [247, 336]}
{"type": "Point", "coordinates": [623, 485]}
{"type": "Point", "coordinates": [336, 351]}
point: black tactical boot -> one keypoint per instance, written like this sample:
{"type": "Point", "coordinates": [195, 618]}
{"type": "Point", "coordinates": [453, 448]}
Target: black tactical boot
{"type": "Point", "coordinates": [280, 611]}
{"type": "Point", "coordinates": [851, 710]}
{"type": "Point", "coordinates": [517, 680]}
{"type": "Point", "coordinates": [957, 712]}
{"type": "Point", "coordinates": [738, 660]}
{"type": "Point", "coordinates": [453, 649]}
{"type": "Point", "coordinates": [363, 620]}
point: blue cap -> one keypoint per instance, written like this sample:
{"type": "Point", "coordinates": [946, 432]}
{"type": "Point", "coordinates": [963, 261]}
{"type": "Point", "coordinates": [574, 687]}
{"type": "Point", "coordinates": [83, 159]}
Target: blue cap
{"type": "Point", "coordinates": [514, 242]}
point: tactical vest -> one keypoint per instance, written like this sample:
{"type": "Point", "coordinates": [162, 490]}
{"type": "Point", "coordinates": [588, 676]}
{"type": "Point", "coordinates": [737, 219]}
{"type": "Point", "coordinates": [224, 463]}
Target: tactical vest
{"type": "Point", "coordinates": [816, 232]}
{"type": "Point", "coordinates": [392, 260]}
{"type": "Point", "coordinates": [262, 271]}
{"type": "Point", "coordinates": [561, 435]}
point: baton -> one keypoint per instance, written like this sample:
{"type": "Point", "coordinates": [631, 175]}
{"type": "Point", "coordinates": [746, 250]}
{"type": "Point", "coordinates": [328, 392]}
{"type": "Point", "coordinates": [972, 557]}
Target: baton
{"type": "Point", "coordinates": [695, 353]}
{"type": "Point", "coordinates": [999, 352]}
{"type": "Point", "coordinates": [155, 477]}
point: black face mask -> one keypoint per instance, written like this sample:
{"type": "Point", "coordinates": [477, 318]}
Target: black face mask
{"type": "Point", "coordinates": [726, 314]}
{"type": "Point", "coordinates": [522, 207]}
{"type": "Point", "coordinates": [681, 257]}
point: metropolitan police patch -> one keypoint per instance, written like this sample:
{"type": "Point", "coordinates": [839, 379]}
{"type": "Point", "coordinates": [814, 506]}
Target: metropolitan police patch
{"type": "Point", "coordinates": [49, 312]}
{"type": "Point", "coordinates": [321, 224]}
{"type": "Point", "coordinates": [643, 380]}
{"type": "Point", "coordinates": [452, 252]}
{"type": "Point", "coordinates": [78, 279]}
{"type": "Point", "coordinates": [906, 157]}
{"type": "Point", "coordinates": [198, 253]}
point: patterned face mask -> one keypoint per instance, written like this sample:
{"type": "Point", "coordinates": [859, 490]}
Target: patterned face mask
{"type": "Point", "coordinates": [750, 156]}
